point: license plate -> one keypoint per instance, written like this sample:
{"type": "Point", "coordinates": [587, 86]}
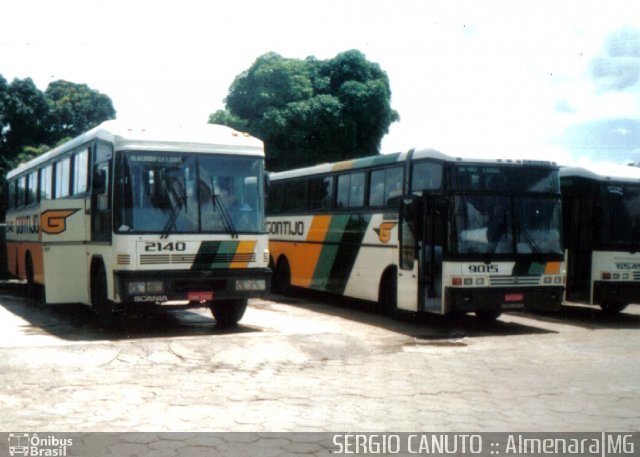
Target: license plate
{"type": "Point", "coordinates": [513, 297]}
{"type": "Point", "coordinates": [200, 296]}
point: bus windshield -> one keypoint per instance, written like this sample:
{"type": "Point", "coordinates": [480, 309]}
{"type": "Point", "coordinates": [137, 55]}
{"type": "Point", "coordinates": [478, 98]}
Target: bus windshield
{"type": "Point", "coordinates": [188, 193]}
{"type": "Point", "coordinates": [493, 224]}
{"type": "Point", "coordinates": [620, 227]}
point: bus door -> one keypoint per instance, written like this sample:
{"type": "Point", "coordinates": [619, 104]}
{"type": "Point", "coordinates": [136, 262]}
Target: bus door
{"type": "Point", "coordinates": [408, 283]}
{"type": "Point", "coordinates": [63, 230]}
{"type": "Point", "coordinates": [430, 245]}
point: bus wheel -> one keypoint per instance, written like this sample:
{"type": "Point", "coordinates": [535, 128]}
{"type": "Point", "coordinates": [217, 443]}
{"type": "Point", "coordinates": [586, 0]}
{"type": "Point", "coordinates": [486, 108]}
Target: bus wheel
{"type": "Point", "coordinates": [282, 278]}
{"type": "Point", "coordinates": [33, 291]}
{"type": "Point", "coordinates": [388, 294]}
{"type": "Point", "coordinates": [100, 302]}
{"type": "Point", "coordinates": [487, 315]}
{"type": "Point", "coordinates": [612, 308]}
{"type": "Point", "coordinates": [228, 312]}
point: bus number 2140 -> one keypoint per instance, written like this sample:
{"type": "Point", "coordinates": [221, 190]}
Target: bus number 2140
{"type": "Point", "coordinates": [150, 246]}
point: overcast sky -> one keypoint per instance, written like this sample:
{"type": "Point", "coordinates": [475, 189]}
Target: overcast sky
{"type": "Point", "coordinates": [554, 79]}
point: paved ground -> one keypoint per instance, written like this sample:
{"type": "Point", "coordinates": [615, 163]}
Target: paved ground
{"type": "Point", "coordinates": [310, 365]}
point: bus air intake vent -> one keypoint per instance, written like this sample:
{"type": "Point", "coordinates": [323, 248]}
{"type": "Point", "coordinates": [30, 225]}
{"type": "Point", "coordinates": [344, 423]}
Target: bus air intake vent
{"type": "Point", "coordinates": [189, 259]}
{"type": "Point", "coordinates": [514, 280]}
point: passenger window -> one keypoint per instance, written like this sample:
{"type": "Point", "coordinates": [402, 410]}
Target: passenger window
{"type": "Point", "coordinates": [393, 186]}
{"type": "Point", "coordinates": [320, 192]}
{"type": "Point", "coordinates": [46, 180]}
{"type": "Point", "coordinates": [343, 191]}
{"type": "Point", "coordinates": [351, 190]}
{"type": "Point", "coordinates": [376, 188]}
{"type": "Point", "coordinates": [80, 172]}
{"type": "Point", "coordinates": [21, 191]}
{"type": "Point", "coordinates": [62, 178]}
{"type": "Point", "coordinates": [426, 176]}
{"type": "Point", "coordinates": [32, 188]}
{"type": "Point", "coordinates": [296, 195]}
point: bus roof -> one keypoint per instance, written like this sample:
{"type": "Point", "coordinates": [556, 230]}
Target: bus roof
{"type": "Point", "coordinates": [199, 138]}
{"type": "Point", "coordinates": [384, 159]}
{"type": "Point", "coordinates": [603, 172]}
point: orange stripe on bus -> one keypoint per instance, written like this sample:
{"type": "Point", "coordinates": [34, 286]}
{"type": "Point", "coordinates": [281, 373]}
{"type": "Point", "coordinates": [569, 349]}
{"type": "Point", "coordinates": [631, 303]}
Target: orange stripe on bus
{"type": "Point", "coordinates": [552, 268]}
{"type": "Point", "coordinates": [242, 256]}
{"type": "Point", "coordinates": [319, 228]}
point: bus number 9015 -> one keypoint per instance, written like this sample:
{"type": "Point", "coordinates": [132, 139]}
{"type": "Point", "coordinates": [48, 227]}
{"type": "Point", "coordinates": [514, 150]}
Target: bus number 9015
{"type": "Point", "coordinates": [151, 246]}
{"type": "Point", "coordinates": [483, 269]}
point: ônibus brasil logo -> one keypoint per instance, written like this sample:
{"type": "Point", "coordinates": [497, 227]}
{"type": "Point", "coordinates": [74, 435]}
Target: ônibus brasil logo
{"type": "Point", "coordinates": [33, 445]}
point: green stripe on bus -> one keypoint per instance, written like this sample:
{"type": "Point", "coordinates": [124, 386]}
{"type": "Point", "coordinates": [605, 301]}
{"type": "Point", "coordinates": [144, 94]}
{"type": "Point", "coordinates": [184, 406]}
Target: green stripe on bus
{"type": "Point", "coordinates": [214, 254]}
{"type": "Point", "coordinates": [343, 241]}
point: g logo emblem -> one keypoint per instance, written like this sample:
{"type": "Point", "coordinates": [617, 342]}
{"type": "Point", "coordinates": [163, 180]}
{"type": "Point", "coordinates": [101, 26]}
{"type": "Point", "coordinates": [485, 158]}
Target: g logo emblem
{"type": "Point", "coordinates": [384, 231]}
{"type": "Point", "coordinates": [54, 221]}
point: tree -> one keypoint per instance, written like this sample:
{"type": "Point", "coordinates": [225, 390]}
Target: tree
{"type": "Point", "coordinates": [310, 111]}
{"type": "Point", "coordinates": [31, 122]}
{"type": "Point", "coordinates": [76, 108]}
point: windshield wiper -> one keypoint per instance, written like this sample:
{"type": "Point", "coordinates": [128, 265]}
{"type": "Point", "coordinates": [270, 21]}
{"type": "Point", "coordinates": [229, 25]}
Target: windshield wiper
{"type": "Point", "coordinates": [181, 197]}
{"type": "Point", "coordinates": [226, 219]}
{"type": "Point", "coordinates": [527, 237]}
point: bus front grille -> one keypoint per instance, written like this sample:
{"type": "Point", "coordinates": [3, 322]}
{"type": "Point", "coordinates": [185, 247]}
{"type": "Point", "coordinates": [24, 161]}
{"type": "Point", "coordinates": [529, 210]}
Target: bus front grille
{"type": "Point", "coordinates": [514, 280]}
{"type": "Point", "coordinates": [175, 259]}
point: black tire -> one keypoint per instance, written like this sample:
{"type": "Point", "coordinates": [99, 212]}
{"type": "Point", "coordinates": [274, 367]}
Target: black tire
{"type": "Point", "coordinates": [282, 278]}
{"type": "Point", "coordinates": [33, 289]}
{"type": "Point", "coordinates": [388, 294]}
{"type": "Point", "coordinates": [487, 315]}
{"type": "Point", "coordinates": [100, 303]}
{"type": "Point", "coordinates": [228, 312]}
{"type": "Point", "coordinates": [612, 308]}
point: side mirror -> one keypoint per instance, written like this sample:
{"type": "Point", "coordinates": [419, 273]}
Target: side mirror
{"type": "Point", "coordinates": [99, 181]}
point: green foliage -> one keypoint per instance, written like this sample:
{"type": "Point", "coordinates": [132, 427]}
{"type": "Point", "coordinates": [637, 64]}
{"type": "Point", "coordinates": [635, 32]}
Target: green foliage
{"type": "Point", "coordinates": [76, 108]}
{"type": "Point", "coordinates": [310, 111]}
{"type": "Point", "coordinates": [31, 121]}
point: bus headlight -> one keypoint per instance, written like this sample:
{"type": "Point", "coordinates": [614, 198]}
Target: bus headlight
{"type": "Point", "coordinates": [251, 284]}
{"type": "Point", "coordinates": [144, 287]}
{"type": "Point", "coordinates": [137, 287]}
{"type": "Point", "coordinates": [155, 287]}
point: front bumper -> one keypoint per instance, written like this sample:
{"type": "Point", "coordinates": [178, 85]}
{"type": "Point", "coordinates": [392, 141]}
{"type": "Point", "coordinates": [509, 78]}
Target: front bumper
{"type": "Point", "coordinates": [624, 292]}
{"type": "Point", "coordinates": [187, 285]}
{"type": "Point", "coordinates": [503, 298]}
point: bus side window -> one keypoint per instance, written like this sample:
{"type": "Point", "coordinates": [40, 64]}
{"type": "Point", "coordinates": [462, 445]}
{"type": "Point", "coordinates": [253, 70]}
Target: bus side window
{"type": "Point", "coordinates": [46, 178]}
{"type": "Point", "coordinates": [80, 172]}
{"type": "Point", "coordinates": [376, 188]}
{"type": "Point", "coordinates": [393, 186]}
{"type": "Point", "coordinates": [32, 188]}
{"type": "Point", "coordinates": [295, 195]}
{"type": "Point", "coordinates": [356, 192]}
{"type": "Point", "coordinates": [21, 192]}
{"type": "Point", "coordinates": [426, 176]}
{"type": "Point", "coordinates": [62, 178]}
{"type": "Point", "coordinates": [320, 192]}
{"type": "Point", "coordinates": [11, 194]}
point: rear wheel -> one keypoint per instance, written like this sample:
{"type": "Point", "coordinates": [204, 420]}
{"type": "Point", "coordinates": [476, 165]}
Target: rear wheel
{"type": "Point", "coordinates": [228, 312]}
{"type": "Point", "coordinates": [282, 278]}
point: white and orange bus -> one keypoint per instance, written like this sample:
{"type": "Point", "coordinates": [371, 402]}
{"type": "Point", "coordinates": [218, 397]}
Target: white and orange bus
{"type": "Point", "coordinates": [124, 216]}
{"type": "Point", "coordinates": [422, 231]}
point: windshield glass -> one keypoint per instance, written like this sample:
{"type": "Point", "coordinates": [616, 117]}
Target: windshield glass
{"type": "Point", "coordinates": [488, 224]}
{"type": "Point", "coordinates": [620, 225]}
{"type": "Point", "coordinates": [188, 193]}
